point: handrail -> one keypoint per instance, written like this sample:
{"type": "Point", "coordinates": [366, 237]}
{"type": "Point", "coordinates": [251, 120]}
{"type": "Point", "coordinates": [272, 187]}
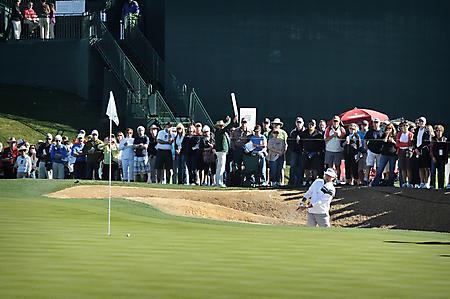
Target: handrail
{"type": "Point", "coordinates": [174, 92]}
{"type": "Point", "coordinates": [117, 60]}
{"type": "Point", "coordinates": [5, 14]}
{"type": "Point", "coordinates": [197, 111]}
{"type": "Point", "coordinates": [162, 109]}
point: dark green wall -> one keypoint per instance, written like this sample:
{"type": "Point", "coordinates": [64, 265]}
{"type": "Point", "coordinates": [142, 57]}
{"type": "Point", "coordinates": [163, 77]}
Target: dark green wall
{"type": "Point", "coordinates": [313, 58]}
{"type": "Point", "coordinates": [70, 65]}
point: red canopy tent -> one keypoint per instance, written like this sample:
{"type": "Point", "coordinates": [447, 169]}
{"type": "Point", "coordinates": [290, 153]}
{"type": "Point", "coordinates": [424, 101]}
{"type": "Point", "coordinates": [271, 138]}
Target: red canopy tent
{"type": "Point", "coordinates": [357, 115]}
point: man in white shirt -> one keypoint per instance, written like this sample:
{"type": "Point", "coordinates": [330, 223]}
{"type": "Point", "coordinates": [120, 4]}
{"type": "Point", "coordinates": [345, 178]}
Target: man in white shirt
{"type": "Point", "coordinates": [164, 160]}
{"type": "Point", "coordinates": [321, 193]}
{"type": "Point", "coordinates": [126, 146]}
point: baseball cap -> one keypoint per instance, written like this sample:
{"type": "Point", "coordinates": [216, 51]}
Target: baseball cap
{"type": "Point", "coordinates": [312, 121]}
{"type": "Point", "coordinates": [423, 119]}
{"type": "Point", "coordinates": [365, 122]}
{"type": "Point", "coordinates": [299, 120]}
{"type": "Point", "coordinates": [244, 120]}
{"type": "Point", "coordinates": [80, 136]}
{"type": "Point", "coordinates": [376, 120]}
{"type": "Point", "coordinates": [94, 132]}
{"type": "Point", "coordinates": [267, 120]}
{"type": "Point", "coordinates": [330, 172]}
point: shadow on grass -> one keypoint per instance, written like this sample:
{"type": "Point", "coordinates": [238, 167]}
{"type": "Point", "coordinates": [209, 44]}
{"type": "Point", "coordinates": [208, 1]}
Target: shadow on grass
{"type": "Point", "coordinates": [419, 243]}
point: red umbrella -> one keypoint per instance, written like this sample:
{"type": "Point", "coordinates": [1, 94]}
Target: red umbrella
{"type": "Point", "coordinates": [357, 115]}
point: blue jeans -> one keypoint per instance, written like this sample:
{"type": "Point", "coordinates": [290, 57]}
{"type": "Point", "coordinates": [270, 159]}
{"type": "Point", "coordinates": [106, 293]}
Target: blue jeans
{"type": "Point", "coordinates": [275, 169]}
{"type": "Point", "coordinates": [181, 168]}
{"type": "Point", "coordinates": [383, 161]}
{"type": "Point", "coordinates": [262, 162]}
{"type": "Point", "coordinates": [440, 167]}
{"type": "Point", "coordinates": [191, 162]}
{"type": "Point", "coordinates": [297, 172]}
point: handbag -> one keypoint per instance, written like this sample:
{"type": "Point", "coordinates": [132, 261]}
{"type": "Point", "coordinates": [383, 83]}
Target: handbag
{"type": "Point", "coordinates": [208, 156]}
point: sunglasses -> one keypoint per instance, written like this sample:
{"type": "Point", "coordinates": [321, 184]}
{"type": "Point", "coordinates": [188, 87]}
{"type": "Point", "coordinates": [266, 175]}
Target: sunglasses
{"type": "Point", "coordinates": [275, 133]}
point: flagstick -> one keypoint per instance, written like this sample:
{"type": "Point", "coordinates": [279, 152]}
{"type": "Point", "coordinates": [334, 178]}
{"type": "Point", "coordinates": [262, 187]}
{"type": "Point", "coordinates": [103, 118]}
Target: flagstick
{"type": "Point", "coordinates": [110, 150]}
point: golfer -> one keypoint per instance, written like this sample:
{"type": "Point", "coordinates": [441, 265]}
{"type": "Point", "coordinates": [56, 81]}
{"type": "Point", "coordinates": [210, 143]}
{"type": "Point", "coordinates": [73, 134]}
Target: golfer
{"type": "Point", "coordinates": [321, 193]}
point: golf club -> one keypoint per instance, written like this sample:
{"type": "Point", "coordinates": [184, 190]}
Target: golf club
{"type": "Point", "coordinates": [291, 214]}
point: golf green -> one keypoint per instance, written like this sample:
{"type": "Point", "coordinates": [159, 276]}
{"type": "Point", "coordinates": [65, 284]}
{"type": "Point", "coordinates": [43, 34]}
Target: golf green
{"type": "Point", "coordinates": [55, 248]}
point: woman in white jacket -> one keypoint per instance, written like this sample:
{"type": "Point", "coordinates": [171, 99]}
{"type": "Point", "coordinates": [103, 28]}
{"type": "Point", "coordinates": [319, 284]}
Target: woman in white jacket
{"type": "Point", "coordinates": [125, 147]}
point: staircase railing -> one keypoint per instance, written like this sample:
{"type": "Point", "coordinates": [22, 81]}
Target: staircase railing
{"type": "Point", "coordinates": [138, 91]}
{"type": "Point", "coordinates": [197, 111]}
{"type": "Point", "coordinates": [175, 93]}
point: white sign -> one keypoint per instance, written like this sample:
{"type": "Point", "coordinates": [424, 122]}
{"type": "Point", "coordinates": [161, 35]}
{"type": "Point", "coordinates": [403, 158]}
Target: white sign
{"type": "Point", "coordinates": [70, 7]}
{"type": "Point", "coordinates": [250, 115]}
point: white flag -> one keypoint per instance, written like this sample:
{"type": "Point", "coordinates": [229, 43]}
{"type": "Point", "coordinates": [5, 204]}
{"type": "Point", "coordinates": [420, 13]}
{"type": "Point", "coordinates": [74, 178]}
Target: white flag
{"type": "Point", "coordinates": [111, 111]}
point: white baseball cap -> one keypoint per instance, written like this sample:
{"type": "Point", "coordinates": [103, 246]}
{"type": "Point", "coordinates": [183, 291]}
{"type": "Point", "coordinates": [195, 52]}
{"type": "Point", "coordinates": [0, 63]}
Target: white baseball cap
{"type": "Point", "coordinates": [330, 172]}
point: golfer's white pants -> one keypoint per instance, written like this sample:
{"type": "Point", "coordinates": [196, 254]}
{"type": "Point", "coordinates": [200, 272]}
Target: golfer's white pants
{"type": "Point", "coordinates": [127, 169]}
{"type": "Point", "coordinates": [43, 173]}
{"type": "Point", "coordinates": [17, 28]}
{"type": "Point", "coordinates": [44, 23]}
{"type": "Point", "coordinates": [323, 220]}
{"type": "Point", "coordinates": [58, 171]}
{"type": "Point", "coordinates": [220, 168]}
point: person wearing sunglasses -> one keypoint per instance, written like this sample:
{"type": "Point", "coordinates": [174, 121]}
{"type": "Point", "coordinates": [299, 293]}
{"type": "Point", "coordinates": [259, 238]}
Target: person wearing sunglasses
{"type": "Point", "coordinates": [45, 160]}
{"type": "Point", "coordinates": [421, 159]}
{"type": "Point", "coordinates": [388, 154]}
{"type": "Point", "coordinates": [58, 154]}
{"type": "Point", "coordinates": [277, 148]}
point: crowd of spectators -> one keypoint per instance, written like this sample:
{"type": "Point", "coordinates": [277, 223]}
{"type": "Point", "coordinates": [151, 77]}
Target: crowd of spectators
{"type": "Point", "coordinates": [44, 18]}
{"type": "Point", "coordinates": [412, 153]}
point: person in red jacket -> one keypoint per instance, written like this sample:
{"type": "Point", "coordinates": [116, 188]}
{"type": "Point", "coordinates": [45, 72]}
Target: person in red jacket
{"type": "Point", "coordinates": [8, 158]}
{"type": "Point", "coordinates": [404, 145]}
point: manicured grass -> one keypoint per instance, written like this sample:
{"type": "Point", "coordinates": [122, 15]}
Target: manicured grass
{"type": "Point", "coordinates": [54, 248]}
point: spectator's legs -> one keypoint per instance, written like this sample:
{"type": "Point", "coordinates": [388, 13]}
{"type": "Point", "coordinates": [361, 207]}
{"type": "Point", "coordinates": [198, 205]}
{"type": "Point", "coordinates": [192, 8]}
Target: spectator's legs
{"type": "Point", "coordinates": [220, 169]}
{"type": "Point", "coordinates": [294, 172]}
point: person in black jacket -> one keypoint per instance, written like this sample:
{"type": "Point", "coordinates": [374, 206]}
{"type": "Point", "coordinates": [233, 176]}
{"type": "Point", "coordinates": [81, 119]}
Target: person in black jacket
{"type": "Point", "coordinates": [421, 152]}
{"type": "Point", "coordinates": [192, 153]}
{"type": "Point", "coordinates": [352, 146]}
{"type": "Point", "coordinates": [16, 19]}
{"type": "Point", "coordinates": [295, 141]}
{"type": "Point", "coordinates": [313, 147]}
{"type": "Point", "coordinates": [439, 156]}
{"type": "Point", "coordinates": [388, 154]}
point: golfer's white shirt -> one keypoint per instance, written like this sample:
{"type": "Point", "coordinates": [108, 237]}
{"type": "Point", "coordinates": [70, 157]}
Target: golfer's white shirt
{"type": "Point", "coordinates": [321, 195]}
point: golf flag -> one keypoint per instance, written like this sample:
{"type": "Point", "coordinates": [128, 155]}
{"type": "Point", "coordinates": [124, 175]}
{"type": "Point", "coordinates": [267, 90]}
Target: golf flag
{"type": "Point", "coordinates": [111, 111]}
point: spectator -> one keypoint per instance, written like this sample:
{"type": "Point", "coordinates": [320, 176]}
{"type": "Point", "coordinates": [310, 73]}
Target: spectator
{"type": "Point", "coordinates": [45, 159]}
{"type": "Point", "coordinates": [266, 128]}
{"type": "Point", "coordinates": [207, 148]}
{"type": "Point", "coordinates": [388, 154]}
{"type": "Point", "coordinates": [362, 156]}
{"type": "Point", "coordinates": [34, 160]}
{"type": "Point", "coordinates": [130, 7]}
{"type": "Point", "coordinates": [277, 124]}
{"type": "Point", "coordinates": [421, 155]}
{"type": "Point", "coordinates": [180, 154]}
{"type": "Point", "coordinates": [333, 149]}
{"type": "Point", "coordinates": [239, 138]}
{"type": "Point", "coordinates": [322, 128]}
{"type": "Point", "coordinates": [43, 12]}
{"type": "Point", "coordinates": [259, 141]}
{"type": "Point", "coordinates": [199, 132]}
{"type": "Point", "coordinates": [58, 154]}
{"type": "Point", "coordinates": [277, 148]}
{"type": "Point", "coordinates": [164, 160]}
{"type": "Point", "coordinates": [373, 143]}
{"type": "Point", "coordinates": [8, 157]}
{"type": "Point", "coordinates": [16, 19]}
{"type": "Point", "coordinates": [94, 156]}
{"type": "Point", "coordinates": [313, 147]}
{"type": "Point", "coordinates": [404, 145]}
{"type": "Point", "coordinates": [222, 148]}
{"type": "Point", "coordinates": [439, 156]}
{"type": "Point", "coordinates": [83, 135]}
{"type": "Point", "coordinates": [321, 193]}
{"type": "Point", "coordinates": [140, 146]}
{"type": "Point", "coordinates": [153, 130]}
{"type": "Point", "coordinates": [110, 148]}
{"type": "Point", "coordinates": [119, 138]}
{"type": "Point", "coordinates": [193, 147]}
{"type": "Point", "coordinates": [30, 19]}
{"type": "Point", "coordinates": [296, 172]}
{"type": "Point", "coordinates": [80, 159]}
{"type": "Point", "coordinates": [126, 147]}
{"type": "Point", "coordinates": [52, 21]}
{"type": "Point", "coordinates": [23, 164]}
{"type": "Point", "coordinates": [352, 147]}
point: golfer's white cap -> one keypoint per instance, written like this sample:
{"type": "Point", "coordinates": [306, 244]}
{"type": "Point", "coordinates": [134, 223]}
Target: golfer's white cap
{"type": "Point", "coordinates": [330, 172]}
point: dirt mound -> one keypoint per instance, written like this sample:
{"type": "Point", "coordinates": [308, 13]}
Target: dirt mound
{"type": "Point", "coordinates": [371, 207]}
